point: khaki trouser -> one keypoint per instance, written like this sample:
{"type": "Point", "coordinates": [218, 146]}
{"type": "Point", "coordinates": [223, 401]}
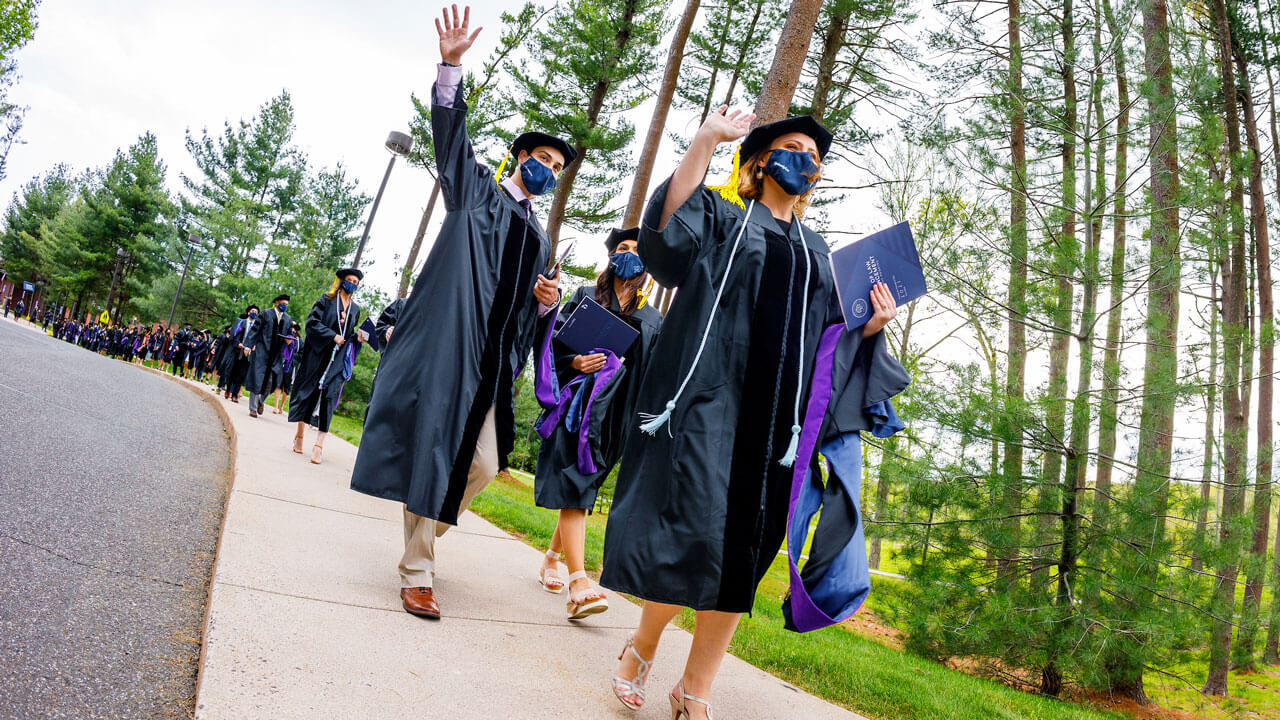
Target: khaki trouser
{"type": "Point", "coordinates": [418, 564]}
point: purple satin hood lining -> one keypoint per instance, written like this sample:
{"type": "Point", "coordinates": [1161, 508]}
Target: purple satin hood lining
{"type": "Point", "coordinates": [805, 613]}
{"type": "Point", "coordinates": [556, 401]}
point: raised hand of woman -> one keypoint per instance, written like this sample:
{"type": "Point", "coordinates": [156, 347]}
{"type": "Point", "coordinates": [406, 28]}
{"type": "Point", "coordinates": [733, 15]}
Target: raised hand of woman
{"type": "Point", "coordinates": [724, 125]}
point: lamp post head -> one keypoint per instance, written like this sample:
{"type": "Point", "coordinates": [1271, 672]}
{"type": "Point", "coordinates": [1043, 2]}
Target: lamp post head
{"type": "Point", "coordinates": [120, 253]}
{"type": "Point", "coordinates": [399, 143]}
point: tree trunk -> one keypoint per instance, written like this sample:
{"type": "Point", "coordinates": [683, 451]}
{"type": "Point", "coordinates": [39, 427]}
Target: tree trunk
{"type": "Point", "coordinates": [774, 102]}
{"type": "Point", "coordinates": [658, 123]}
{"type": "Point", "coordinates": [1227, 554]}
{"type": "Point", "coordinates": [742, 54]}
{"type": "Point", "coordinates": [1124, 661]}
{"type": "Point", "coordinates": [831, 44]}
{"type": "Point", "coordinates": [406, 275]}
{"type": "Point", "coordinates": [1271, 651]}
{"type": "Point", "coordinates": [1244, 658]}
{"type": "Point", "coordinates": [1109, 410]}
{"type": "Point", "coordinates": [1208, 466]}
{"type": "Point", "coordinates": [1064, 252]}
{"type": "Point", "coordinates": [1016, 301]}
{"type": "Point", "coordinates": [564, 186]}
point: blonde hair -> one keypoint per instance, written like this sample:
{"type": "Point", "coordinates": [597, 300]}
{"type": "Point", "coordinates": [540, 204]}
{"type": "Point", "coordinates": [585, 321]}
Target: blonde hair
{"type": "Point", "coordinates": [333, 289]}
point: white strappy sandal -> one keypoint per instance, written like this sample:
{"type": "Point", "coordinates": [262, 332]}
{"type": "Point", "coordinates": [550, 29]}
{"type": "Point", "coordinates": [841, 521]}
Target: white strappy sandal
{"type": "Point", "coordinates": [678, 709]}
{"type": "Point", "coordinates": [625, 689]}
{"type": "Point", "coordinates": [583, 604]}
{"type": "Point", "coordinates": [549, 578]}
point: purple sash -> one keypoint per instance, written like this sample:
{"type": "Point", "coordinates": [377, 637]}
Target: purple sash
{"type": "Point", "coordinates": [287, 353]}
{"type": "Point", "coordinates": [805, 613]}
{"type": "Point", "coordinates": [557, 402]}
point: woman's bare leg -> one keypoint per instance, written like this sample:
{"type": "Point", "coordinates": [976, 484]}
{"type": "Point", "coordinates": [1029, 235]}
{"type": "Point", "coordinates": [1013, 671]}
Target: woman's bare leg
{"type": "Point", "coordinates": [711, 636]}
{"type": "Point", "coordinates": [653, 619]}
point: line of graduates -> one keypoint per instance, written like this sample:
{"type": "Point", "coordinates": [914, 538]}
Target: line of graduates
{"type": "Point", "coordinates": [716, 416]}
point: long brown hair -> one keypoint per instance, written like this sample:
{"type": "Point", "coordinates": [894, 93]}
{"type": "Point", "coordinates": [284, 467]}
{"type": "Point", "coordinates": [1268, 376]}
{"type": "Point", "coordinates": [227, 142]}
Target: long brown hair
{"type": "Point", "coordinates": [630, 301]}
{"type": "Point", "coordinates": [751, 181]}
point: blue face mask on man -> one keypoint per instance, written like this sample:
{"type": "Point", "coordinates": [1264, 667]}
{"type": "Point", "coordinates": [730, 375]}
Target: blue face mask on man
{"type": "Point", "coordinates": [253, 315]}
{"type": "Point", "coordinates": [626, 265]}
{"type": "Point", "coordinates": [283, 307]}
{"type": "Point", "coordinates": [349, 287]}
{"type": "Point", "coordinates": [791, 170]}
{"type": "Point", "coordinates": [537, 178]}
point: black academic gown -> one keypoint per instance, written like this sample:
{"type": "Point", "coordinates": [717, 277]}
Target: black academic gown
{"type": "Point", "coordinates": [559, 482]}
{"type": "Point", "coordinates": [320, 361]}
{"type": "Point", "coordinates": [239, 364]}
{"type": "Point", "coordinates": [462, 337]}
{"type": "Point", "coordinates": [701, 505]}
{"type": "Point", "coordinates": [266, 337]}
{"type": "Point", "coordinates": [387, 319]}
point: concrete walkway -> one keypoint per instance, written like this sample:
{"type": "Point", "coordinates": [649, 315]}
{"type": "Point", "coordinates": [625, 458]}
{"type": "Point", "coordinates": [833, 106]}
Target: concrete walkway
{"type": "Point", "coordinates": [304, 616]}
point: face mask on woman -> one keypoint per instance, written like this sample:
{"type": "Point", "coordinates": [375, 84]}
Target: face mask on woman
{"type": "Point", "coordinates": [537, 178]}
{"type": "Point", "coordinates": [792, 170]}
{"type": "Point", "coordinates": [626, 265]}
{"type": "Point", "coordinates": [349, 287]}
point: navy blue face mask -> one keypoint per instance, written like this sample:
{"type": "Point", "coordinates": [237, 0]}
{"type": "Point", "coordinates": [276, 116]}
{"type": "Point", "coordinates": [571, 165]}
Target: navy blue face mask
{"type": "Point", "coordinates": [626, 265]}
{"type": "Point", "coordinates": [284, 307]}
{"type": "Point", "coordinates": [538, 178]}
{"type": "Point", "coordinates": [792, 170]}
{"type": "Point", "coordinates": [253, 315]}
{"type": "Point", "coordinates": [349, 287]}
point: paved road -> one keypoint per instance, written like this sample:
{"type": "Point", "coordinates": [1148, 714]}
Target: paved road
{"type": "Point", "coordinates": [112, 482]}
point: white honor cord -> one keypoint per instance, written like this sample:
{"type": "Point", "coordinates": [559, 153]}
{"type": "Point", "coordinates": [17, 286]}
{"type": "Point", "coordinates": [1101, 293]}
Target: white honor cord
{"type": "Point", "coordinates": [789, 458]}
{"type": "Point", "coordinates": [653, 422]}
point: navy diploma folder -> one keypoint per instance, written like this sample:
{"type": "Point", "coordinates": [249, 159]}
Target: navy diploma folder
{"type": "Point", "coordinates": [887, 256]}
{"type": "Point", "coordinates": [591, 326]}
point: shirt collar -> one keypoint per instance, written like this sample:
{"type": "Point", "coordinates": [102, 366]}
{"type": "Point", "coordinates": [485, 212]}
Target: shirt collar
{"type": "Point", "coordinates": [510, 186]}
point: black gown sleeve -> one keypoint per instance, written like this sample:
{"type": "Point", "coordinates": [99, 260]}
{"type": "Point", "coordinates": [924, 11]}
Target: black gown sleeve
{"type": "Point", "coordinates": [316, 326]}
{"type": "Point", "coordinates": [669, 253]}
{"type": "Point", "coordinates": [463, 180]}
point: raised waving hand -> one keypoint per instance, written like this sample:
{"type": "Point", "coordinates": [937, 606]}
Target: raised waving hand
{"type": "Point", "coordinates": [455, 38]}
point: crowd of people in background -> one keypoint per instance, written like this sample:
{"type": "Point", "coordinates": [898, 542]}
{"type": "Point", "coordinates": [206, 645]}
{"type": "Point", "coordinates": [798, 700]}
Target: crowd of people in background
{"type": "Point", "coordinates": [217, 357]}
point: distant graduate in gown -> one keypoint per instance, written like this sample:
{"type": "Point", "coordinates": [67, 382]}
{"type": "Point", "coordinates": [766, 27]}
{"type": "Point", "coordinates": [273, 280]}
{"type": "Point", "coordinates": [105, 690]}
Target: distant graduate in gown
{"type": "Point", "coordinates": [265, 341]}
{"type": "Point", "coordinates": [243, 349]}
{"type": "Point", "coordinates": [589, 410]}
{"type": "Point", "coordinates": [288, 365]}
{"type": "Point", "coordinates": [328, 358]}
{"type": "Point", "coordinates": [440, 422]}
{"type": "Point", "coordinates": [752, 348]}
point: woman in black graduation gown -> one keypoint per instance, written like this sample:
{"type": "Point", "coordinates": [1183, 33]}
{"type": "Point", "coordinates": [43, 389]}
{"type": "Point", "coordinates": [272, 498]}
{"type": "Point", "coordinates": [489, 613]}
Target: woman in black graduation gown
{"type": "Point", "coordinates": [568, 475]}
{"type": "Point", "coordinates": [704, 490]}
{"type": "Point", "coordinates": [326, 359]}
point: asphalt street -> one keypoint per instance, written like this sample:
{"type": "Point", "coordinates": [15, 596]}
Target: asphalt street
{"type": "Point", "coordinates": [112, 486]}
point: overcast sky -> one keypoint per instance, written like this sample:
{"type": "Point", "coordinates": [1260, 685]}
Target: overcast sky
{"type": "Point", "coordinates": [98, 75]}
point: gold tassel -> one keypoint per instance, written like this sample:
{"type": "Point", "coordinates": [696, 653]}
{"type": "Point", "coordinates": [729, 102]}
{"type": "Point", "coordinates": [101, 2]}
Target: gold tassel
{"type": "Point", "coordinates": [645, 292]}
{"type": "Point", "coordinates": [497, 177]}
{"type": "Point", "coordinates": [729, 190]}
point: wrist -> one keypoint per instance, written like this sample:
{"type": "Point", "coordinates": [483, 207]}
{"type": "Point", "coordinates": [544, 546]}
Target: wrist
{"type": "Point", "coordinates": [451, 61]}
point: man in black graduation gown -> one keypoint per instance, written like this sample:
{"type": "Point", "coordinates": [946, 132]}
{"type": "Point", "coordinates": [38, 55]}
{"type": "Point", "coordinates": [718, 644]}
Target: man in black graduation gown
{"type": "Point", "coordinates": [265, 341]}
{"type": "Point", "coordinates": [240, 353]}
{"type": "Point", "coordinates": [440, 422]}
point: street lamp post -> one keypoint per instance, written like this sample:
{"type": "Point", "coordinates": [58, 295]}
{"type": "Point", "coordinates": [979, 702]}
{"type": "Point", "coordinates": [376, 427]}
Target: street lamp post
{"type": "Point", "coordinates": [192, 241]}
{"type": "Point", "coordinates": [398, 144]}
{"type": "Point", "coordinates": [120, 256]}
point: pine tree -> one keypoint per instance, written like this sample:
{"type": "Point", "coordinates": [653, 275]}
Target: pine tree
{"type": "Point", "coordinates": [596, 61]}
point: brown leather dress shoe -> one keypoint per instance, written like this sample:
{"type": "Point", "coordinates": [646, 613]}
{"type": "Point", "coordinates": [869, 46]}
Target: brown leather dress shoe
{"type": "Point", "coordinates": [419, 601]}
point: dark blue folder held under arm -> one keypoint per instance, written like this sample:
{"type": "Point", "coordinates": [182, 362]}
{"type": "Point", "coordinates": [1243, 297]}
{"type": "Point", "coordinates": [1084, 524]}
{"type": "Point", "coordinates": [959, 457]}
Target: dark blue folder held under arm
{"type": "Point", "coordinates": [591, 327]}
{"type": "Point", "coordinates": [888, 256]}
